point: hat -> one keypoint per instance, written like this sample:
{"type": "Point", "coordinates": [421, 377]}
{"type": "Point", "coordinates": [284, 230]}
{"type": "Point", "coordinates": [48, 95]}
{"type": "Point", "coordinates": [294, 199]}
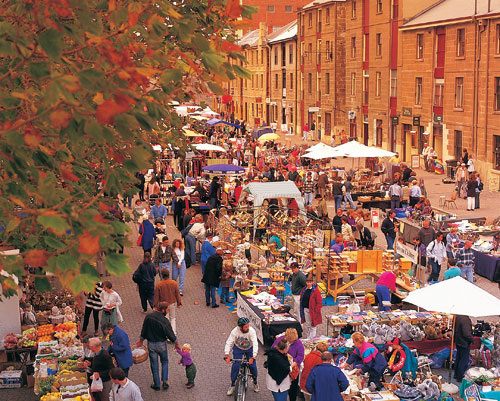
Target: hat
{"type": "Point", "coordinates": [395, 341]}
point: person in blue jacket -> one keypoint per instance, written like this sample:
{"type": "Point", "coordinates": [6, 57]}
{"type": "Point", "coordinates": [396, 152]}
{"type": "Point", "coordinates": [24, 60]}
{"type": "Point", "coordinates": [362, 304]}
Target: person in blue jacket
{"type": "Point", "coordinates": [148, 232]}
{"type": "Point", "coordinates": [326, 382]}
{"type": "Point", "coordinates": [207, 250]}
{"type": "Point", "coordinates": [373, 362]}
{"type": "Point", "coordinates": [119, 345]}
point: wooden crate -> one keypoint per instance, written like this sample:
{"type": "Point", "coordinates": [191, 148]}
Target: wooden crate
{"type": "Point", "coordinates": [370, 261]}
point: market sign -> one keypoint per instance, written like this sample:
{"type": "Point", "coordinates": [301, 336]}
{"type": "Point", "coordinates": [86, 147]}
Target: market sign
{"type": "Point", "coordinates": [244, 310]}
{"type": "Point", "coordinates": [416, 121]}
{"type": "Point", "coordinates": [407, 252]}
{"type": "Point", "coordinates": [406, 112]}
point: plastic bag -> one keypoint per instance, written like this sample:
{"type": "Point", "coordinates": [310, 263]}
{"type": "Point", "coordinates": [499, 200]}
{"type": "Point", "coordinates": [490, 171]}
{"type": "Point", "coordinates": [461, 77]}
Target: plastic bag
{"type": "Point", "coordinates": [96, 385]}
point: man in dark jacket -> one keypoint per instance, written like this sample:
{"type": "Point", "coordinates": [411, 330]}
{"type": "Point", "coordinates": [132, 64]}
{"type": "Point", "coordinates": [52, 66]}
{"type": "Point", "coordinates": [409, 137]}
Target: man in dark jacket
{"type": "Point", "coordinates": [463, 339]}
{"type": "Point", "coordinates": [326, 382]}
{"type": "Point", "coordinates": [366, 239]}
{"type": "Point", "coordinates": [337, 221]}
{"type": "Point", "coordinates": [119, 345]}
{"type": "Point", "coordinates": [100, 364]}
{"type": "Point", "coordinates": [212, 276]}
{"type": "Point", "coordinates": [389, 228]}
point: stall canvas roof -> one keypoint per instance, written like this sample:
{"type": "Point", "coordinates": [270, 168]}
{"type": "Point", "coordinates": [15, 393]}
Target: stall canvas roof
{"type": "Point", "coordinates": [280, 189]}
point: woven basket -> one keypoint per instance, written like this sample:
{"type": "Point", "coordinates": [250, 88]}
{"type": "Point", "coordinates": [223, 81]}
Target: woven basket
{"type": "Point", "coordinates": [141, 358]}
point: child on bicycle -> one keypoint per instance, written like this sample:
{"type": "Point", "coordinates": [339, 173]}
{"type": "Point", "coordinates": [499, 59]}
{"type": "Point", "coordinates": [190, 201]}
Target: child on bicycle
{"type": "Point", "coordinates": [187, 361]}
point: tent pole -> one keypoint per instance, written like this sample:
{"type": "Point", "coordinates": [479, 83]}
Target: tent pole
{"type": "Point", "coordinates": [451, 349]}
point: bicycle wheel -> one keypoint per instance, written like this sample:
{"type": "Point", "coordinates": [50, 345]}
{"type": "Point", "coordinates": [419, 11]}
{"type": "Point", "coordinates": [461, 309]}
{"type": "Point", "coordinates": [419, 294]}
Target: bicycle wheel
{"type": "Point", "coordinates": [239, 390]}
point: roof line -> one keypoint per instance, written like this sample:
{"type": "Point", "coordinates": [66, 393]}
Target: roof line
{"type": "Point", "coordinates": [435, 23]}
{"type": "Point", "coordinates": [425, 10]}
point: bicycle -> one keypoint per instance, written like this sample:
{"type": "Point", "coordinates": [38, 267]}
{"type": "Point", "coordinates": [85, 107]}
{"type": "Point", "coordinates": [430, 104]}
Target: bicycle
{"type": "Point", "coordinates": [241, 384]}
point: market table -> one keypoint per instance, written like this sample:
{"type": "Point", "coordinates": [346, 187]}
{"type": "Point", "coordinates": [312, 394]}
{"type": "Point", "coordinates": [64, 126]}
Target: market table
{"type": "Point", "coordinates": [487, 266]}
{"type": "Point", "coordinates": [383, 204]}
{"type": "Point", "coordinates": [356, 194]}
{"type": "Point", "coordinates": [266, 332]}
{"type": "Point", "coordinates": [431, 346]}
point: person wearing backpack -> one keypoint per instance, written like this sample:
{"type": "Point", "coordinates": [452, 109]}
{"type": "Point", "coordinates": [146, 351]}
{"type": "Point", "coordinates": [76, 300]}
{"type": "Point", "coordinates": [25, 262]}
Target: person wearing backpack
{"type": "Point", "coordinates": [436, 255]}
{"type": "Point", "coordinates": [479, 188]}
{"type": "Point", "coordinates": [144, 277]}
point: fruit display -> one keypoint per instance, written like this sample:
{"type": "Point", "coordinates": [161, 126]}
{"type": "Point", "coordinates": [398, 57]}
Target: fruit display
{"type": "Point", "coordinates": [69, 364]}
{"type": "Point", "coordinates": [28, 339]}
{"type": "Point", "coordinates": [10, 341]}
{"type": "Point", "coordinates": [45, 385]}
{"type": "Point", "coordinates": [52, 397]}
{"type": "Point", "coordinates": [68, 326]}
{"type": "Point", "coordinates": [45, 331]}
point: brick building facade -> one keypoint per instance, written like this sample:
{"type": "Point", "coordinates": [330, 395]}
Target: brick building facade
{"type": "Point", "coordinates": [451, 84]}
{"type": "Point", "coordinates": [272, 13]}
{"type": "Point", "coordinates": [321, 27]}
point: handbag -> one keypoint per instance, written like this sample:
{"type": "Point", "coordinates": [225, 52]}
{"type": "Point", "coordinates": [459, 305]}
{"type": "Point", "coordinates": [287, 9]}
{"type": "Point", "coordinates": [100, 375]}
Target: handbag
{"type": "Point", "coordinates": [186, 230]}
{"type": "Point", "coordinates": [139, 240]}
{"type": "Point", "coordinates": [136, 277]}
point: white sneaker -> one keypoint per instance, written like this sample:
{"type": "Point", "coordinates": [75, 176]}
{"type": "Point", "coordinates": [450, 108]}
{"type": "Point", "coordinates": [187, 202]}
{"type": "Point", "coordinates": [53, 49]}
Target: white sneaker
{"type": "Point", "coordinates": [230, 391]}
{"type": "Point", "coordinates": [256, 387]}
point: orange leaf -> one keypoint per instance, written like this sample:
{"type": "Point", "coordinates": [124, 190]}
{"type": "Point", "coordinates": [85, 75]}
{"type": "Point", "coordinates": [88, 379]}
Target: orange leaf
{"type": "Point", "coordinates": [230, 46]}
{"type": "Point", "coordinates": [107, 110]}
{"type": "Point", "coordinates": [133, 17]}
{"type": "Point", "coordinates": [32, 138]}
{"type": "Point", "coordinates": [36, 258]}
{"type": "Point", "coordinates": [104, 207]}
{"type": "Point", "coordinates": [88, 244]}
{"type": "Point", "coordinates": [100, 219]}
{"type": "Point", "coordinates": [60, 118]}
{"type": "Point", "coordinates": [111, 5]}
{"type": "Point", "coordinates": [233, 9]}
{"type": "Point", "coordinates": [68, 175]}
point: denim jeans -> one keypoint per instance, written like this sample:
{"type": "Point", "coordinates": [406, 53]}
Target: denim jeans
{"type": "Point", "coordinates": [210, 292]}
{"type": "Point", "coordinates": [238, 354]}
{"type": "Point", "coordinates": [308, 198]}
{"type": "Point", "coordinates": [348, 198]}
{"type": "Point", "coordinates": [436, 269]}
{"type": "Point", "coordinates": [462, 362]}
{"type": "Point", "coordinates": [147, 292]}
{"type": "Point", "coordinates": [467, 273]}
{"type": "Point", "coordinates": [179, 272]}
{"type": "Point", "coordinates": [395, 202]}
{"type": "Point", "coordinates": [280, 396]}
{"type": "Point", "coordinates": [167, 265]}
{"type": "Point", "coordinates": [224, 294]}
{"type": "Point", "coordinates": [390, 242]}
{"type": "Point", "coordinates": [190, 250]}
{"type": "Point", "coordinates": [155, 350]}
{"type": "Point", "coordinates": [383, 294]}
{"type": "Point", "coordinates": [338, 201]}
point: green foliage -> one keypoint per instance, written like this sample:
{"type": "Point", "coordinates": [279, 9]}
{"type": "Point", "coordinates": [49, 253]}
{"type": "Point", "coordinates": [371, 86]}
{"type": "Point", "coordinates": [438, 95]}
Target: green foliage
{"type": "Point", "coordinates": [85, 89]}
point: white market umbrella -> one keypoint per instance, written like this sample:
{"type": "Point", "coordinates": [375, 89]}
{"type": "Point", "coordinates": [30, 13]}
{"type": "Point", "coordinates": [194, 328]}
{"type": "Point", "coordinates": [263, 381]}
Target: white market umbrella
{"type": "Point", "coordinates": [455, 296]}
{"type": "Point", "coordinates": [319, 154]}
{"type": "Point", "coordinates": [319, 146]}
{"type": "Point", "coordinates": [208, 146]}
{"type": "Point", "coordinates": [354, 149]}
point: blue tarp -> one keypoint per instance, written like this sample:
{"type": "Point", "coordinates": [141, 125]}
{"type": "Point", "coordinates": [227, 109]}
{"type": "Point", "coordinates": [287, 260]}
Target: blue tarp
{"type": "Point", "coordinates": [215, 121]}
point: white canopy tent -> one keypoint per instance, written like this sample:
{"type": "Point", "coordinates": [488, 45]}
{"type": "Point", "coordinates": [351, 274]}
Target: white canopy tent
{"type": "Point", "coordinates": [319, 146]}
{"type": "Point", "coordinates": [354, 149]}
{"type": "Point", "coordinates": [209, 147]}
{"type": "Point", "coordinates": [455, 296]}
{"type": "Point", "coordinates": [321, 153]}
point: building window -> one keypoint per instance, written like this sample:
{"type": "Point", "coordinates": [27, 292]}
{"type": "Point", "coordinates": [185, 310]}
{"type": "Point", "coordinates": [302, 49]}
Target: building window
{"type": "Point", "coordinates": [276, 85]}
{"type": "Point", "coordinates": [290, 54]}
{"type": "Point", "coordinates": [318, 50]}
{"type": "Point", "coordinates": [310, 20]}
{"type": "Point", "coordinates": [498, 39]}
{"type": "Point", "coordinates": [328, 51]}
{"type": "Point", "coordinates": [394, 83]}
{"type": "Point", "coordinates": [353, 47]}
{"type": "Point", "coordinates": [319, 20]}
{"type": "Point", "coordinates": [276, 56]}
{"type": "Point", "coordinates": [261, 81]}
{"type": "Point", "coordinates": [283, 78]}
{"type": "Point", "coordinates": [262, 56]}
{"type": "Point", "coordinates": [458, 144]}
{"type": "Point", "coordinates": [379, 6]}
{"type": "Point", "coordinates": [379, 132]}
{"type": "Point", "coordinates": [496, 156]}
{"type": "Point", "coordinates": [420, 46]}
{"type": "Point", "coordinates": [459, 92]}
{"type": "Point", "coordinates": [327, 16]}
{"type": "Point", "coordinates": [365, 47]}
{"type": "Point", "coordinates": [438, 95]}
{"type": "Point", "coordinates": [418, 91]}
{"type": "Point", "coordinates": [497, 94]}
{"type": "Point", "coordinates": [353, 84]}
{"type": "Point", "coordinates": [270, 9]}
{"type": "Point", "coordinates": [460, 42]}
{"type": "Point", "coordinates": [327, 85]}
{"type": "Point", "coordinates": [309, 51]}
{"type": "Point", "coordinates": [309, 82]}
{"type": "Point", "coordinates": [379, 44]}
{"type": "Point", "coordinates": [291, 80]}
{"type": "Point", "coordinates": [353, 9]}
{"type": "Point", "coordinates": [366, 86]}
{"type": "Point", "coordinates": [318, 85]}
{"type": "Point", "coordinates": [288, 9]}
{"type": "Point", "coordinates": [378, 83]}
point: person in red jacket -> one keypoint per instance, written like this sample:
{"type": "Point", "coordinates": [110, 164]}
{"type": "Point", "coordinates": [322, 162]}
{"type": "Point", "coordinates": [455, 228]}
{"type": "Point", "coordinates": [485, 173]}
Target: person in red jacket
{"type": "Point", "coordinates": [310, 361]}
{"type": "Point", "coordinates": [310, 308]}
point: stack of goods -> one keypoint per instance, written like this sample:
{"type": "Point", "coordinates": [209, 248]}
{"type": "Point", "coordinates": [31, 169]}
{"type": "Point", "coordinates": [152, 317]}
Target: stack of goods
{"type": "Point", "coordinates": [66, 333]}
{"type": "Point", "coordinates": [45, 332]}
{"type": "Point", "coordinates": [389, 318]}
{"type": "Point", "coordinates": [388, 259]}
{"type": "Point", "coordinates": [270, 306]}
{"type": "Point", "coordinates": [28, 338]}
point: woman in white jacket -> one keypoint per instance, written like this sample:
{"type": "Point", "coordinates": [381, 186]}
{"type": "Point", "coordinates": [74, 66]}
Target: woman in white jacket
{"type": "Point", "coordinates": [111, 302]}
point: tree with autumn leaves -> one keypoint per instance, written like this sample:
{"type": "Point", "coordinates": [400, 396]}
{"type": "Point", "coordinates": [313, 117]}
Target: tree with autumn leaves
{"type": "Point", "coordinates": [85, 89]}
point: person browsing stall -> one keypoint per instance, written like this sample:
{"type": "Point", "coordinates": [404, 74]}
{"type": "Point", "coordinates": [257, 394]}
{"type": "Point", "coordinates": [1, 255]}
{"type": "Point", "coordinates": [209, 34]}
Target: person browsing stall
{"type": "Point", "coordinates": [385, 284]}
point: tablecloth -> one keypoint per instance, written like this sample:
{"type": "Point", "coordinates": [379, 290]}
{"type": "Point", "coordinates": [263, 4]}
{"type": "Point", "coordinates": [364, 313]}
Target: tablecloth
{"type": "Point", "coordinates": [487, 266]}
{"type": "Point", "coordinates": [266, 332]}
{"type": "Point", "coordinates": [428, 347]}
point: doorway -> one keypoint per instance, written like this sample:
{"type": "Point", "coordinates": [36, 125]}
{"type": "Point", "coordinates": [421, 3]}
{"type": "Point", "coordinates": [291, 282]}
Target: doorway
{"type": "Point", "coordinates": [365, 133]}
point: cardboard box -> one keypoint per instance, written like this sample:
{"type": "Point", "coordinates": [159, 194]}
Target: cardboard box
{"type": "Point", "coordinates": [3, 356]}
{"type": "Point", "coordinates": [11, 379]}
{"type": "Point", "coordinates": [30, 380]}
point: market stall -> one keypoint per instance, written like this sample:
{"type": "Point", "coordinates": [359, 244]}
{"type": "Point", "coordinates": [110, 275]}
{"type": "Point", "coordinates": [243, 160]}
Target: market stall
{"type": "Point", "coordinates": [487, 265]}
{"type": "Point", "coordinates": [267, 316]}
